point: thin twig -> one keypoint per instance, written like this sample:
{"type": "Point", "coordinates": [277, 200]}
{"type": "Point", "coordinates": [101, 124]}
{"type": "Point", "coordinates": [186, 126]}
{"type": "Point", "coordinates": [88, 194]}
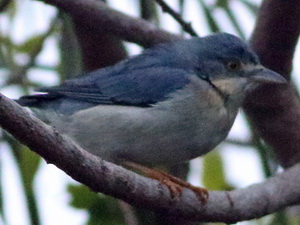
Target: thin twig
{"type": "Point", "coordinates": [185, 25]}
{"type": "Point", "coordinates": [239, 143]}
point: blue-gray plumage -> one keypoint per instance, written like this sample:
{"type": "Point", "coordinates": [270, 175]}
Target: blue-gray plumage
{"type": "Point", "coordinates": [172, 103]}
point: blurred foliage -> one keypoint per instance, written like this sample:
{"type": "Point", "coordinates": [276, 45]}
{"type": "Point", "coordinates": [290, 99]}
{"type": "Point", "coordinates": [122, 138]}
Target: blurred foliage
{"type": "Point", "coordinates": [18, 58]}
{"type": "Point", "coordinates": [71, 62]}
{"type": "Point", "coordinates": [213, 173]}
{"type": "Point", "coordinates": [2, 215]}
{"type": "Point", "coordinates": [27, 163]}
{"type": "Point", "coordinates": [102, 209]}
{"type": "Point", "coordinates": [148, 11]}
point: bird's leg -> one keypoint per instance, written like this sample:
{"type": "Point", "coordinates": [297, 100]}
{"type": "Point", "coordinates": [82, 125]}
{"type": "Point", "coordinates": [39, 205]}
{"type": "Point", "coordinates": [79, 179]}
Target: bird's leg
{"type": "Point", "coordinates": [174, 184]}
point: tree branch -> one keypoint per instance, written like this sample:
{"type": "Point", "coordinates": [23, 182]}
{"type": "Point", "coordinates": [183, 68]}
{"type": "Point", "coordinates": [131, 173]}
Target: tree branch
{"type": "Point", "coordinates": [99, 49]}
{"type": "Point", "coordinates": [101, 176]}
{"type": "Point", "coordinates": [275, 111]}
{"type": "Point", "coordinates": [187, 27]}
{"type": "Point", "coordinates": [96, 14]}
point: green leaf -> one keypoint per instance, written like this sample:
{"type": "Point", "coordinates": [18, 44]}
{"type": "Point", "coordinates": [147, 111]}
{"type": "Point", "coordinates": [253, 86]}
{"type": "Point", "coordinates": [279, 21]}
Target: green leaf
{"type": "Point", "coordinates": [102, 209]}
{"type": "Point", "coordinates": [4, 40]}
{"type": "Point", "coordinates": [234, 22]}
{"type": "Point", "coordinates": [12, 10]}
{"type": "Point", "coordinates": [1, 195]}
{"type": "Point", "coordinates": [213, 25]}
{"type": "Point", "coordinates": [251, 6]}
{"type": "Point", "coordinates": [82, 197]}
{"type": "Point", "coordinates": [148, 11]}
{"type": "Point", "coordinates": [30, 44]}
{"type": "Point", "coordinates": [70, 50]}
{"type": "Point", "coordinates": [222, 4]}
{"type": "Point", "coordinates": [280, 218]}
{"type": "Point", "coordinates": [213, 172]}
{"type": "Point", "coordinates": [6, 58]}
{"type": "Point", "coordinates": [29, 163]}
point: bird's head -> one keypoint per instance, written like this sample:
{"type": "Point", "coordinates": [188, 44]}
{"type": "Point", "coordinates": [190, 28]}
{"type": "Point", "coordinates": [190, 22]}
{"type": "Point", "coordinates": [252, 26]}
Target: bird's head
{"type": "Point", "coordinates": [222, 59]}
{"type": "Point", "coordinates": [230, 65]}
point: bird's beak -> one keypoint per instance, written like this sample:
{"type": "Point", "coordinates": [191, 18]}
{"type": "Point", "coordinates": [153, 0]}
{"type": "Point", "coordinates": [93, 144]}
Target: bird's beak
{"type": "Point", "coordinates": [267, 76]}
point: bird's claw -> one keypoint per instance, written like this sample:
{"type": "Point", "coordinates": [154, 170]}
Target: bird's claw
{"type": "Point", "coordinates": [201, 193]}
{"type": "Point", "coordinates": [176, 189]}
{"type": "Point", "coordinates": [174, 184]}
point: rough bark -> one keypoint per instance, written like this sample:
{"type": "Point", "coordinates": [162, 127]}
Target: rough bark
{"type": "Point", "coordinates": [275, 111]}
{"type": "Point", "coordinates": [101, 176]}
{"type": "Point", "coordinates": [95, 14]}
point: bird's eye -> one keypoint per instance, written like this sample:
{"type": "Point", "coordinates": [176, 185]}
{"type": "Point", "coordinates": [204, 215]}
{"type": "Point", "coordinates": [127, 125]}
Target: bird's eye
{"type": "Point", "coordinates": [233, 65]}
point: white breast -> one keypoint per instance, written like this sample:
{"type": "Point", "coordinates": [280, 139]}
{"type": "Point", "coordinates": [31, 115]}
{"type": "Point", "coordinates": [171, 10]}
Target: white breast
{"type": "Point", "coordinates": [188, 125]}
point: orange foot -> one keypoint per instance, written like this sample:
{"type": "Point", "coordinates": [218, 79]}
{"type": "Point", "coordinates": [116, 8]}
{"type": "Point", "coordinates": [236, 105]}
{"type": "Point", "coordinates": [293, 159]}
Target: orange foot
{"type": "Point", "coordinates": [174, 184]}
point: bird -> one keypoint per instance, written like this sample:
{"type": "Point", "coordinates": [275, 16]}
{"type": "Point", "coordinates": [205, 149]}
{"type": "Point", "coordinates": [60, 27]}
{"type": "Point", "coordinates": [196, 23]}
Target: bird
{"type": "Point", "coordinates": [170, 104]}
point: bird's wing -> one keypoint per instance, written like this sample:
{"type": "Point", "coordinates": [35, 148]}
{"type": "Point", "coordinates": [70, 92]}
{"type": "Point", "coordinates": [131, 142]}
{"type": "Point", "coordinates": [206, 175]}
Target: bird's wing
{"type": "Point", "coordinates": [139, 87]}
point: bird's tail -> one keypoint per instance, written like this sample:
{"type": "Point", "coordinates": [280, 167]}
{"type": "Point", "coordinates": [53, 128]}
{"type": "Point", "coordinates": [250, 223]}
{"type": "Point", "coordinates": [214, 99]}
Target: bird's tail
{"type": "Point", "coordinates": [35, 100]}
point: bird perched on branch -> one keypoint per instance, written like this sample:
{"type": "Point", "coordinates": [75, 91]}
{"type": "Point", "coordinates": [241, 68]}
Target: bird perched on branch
{"type": "Point", "coordinates": [170, 104]}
